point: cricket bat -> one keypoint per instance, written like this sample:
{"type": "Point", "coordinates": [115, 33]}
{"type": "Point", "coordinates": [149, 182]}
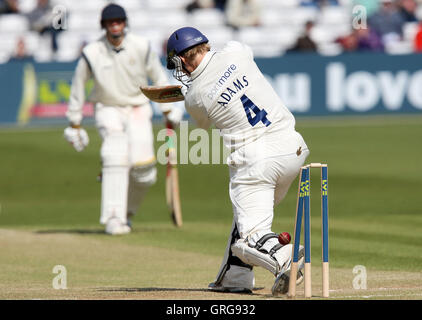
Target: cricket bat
{"type": "Point", "coordinates": [163, 94]}
{"type": "Point", "coordinates": [172, 181]}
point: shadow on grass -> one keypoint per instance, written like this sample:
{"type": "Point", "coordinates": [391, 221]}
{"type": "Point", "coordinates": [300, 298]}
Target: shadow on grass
{"type": "Point", "coordinates": [152, 289]}
{"type": "Point", "coordinates": [71, 231]}
{"type": "Point", "coordinates": [136, 230]}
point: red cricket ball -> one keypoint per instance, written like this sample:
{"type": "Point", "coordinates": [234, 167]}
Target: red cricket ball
{"type": "Point", "coordinates": [284, 238]}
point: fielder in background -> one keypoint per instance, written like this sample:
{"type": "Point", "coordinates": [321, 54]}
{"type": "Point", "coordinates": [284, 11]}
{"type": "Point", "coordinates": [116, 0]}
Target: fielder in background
{"type": "Point", "coordinates": [119, 62]}
{"type": "Point", "coordinates": [226, 88]}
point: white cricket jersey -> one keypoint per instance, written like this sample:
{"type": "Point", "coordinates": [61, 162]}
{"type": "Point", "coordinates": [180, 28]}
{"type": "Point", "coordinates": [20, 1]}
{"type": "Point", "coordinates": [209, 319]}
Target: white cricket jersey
{"type": "Point", "coordinates": [230, 91]}
{"type": "Point", "coordinates": [118, 74]}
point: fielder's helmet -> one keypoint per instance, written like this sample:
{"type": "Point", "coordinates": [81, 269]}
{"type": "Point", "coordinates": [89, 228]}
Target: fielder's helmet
{"type": "Point", "coordinates": [181, 40]}
{"type": "Point", "coordinates": [112, 11]}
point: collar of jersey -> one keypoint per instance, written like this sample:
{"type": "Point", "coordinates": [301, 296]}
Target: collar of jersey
{"type": "Point", "coordinates": [201, 67]}
{"type": "Point", "coordinates": [113, 48]}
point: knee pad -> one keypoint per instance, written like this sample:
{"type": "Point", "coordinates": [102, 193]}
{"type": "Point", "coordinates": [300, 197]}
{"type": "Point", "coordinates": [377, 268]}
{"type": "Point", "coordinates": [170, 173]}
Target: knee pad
{"type": "Point", "coordinates": [267, 252]}
{"type": "Point", "coordinates": [144, 175]}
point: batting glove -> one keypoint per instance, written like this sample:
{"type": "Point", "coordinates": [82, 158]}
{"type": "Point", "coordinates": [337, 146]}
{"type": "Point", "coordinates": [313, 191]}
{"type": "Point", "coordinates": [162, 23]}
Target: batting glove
{"type": "Point", "coordinates": [77, 137]}
{"type": "Point", "coordinates": [175, 116]}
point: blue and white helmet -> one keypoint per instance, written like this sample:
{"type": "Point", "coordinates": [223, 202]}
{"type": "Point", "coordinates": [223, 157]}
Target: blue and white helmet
{"type": "Point", "coordinates": [181, 40]}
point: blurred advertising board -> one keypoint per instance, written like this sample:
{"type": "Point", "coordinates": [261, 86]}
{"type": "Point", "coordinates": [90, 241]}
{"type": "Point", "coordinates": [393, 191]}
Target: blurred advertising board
{"type": "Point", "coordinates": [309, 84]}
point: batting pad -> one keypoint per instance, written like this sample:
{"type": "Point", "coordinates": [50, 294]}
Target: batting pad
{"type": "Point", "coordinates": [140, 179]}
{"type": "Point", "coordinates": [144, 175]}
{"type": "Point", "coordinates": [115, 177]}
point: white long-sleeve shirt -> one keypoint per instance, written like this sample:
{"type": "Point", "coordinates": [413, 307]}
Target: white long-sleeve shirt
{"type": "Point", "coordinates": [229, 90]}
{"type": "Point", "coordinates": [118, 74]}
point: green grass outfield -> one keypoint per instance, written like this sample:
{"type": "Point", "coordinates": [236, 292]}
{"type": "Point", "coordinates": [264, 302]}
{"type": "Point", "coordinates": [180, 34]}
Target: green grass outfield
{"type": "Point", "coordinates": [50, 202]}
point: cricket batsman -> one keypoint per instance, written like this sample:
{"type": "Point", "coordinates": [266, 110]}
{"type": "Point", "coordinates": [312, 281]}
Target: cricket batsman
{"type": "Point", "coordinates": [227, 89]}
{"type": "Point", "coordinates": [119, 63]}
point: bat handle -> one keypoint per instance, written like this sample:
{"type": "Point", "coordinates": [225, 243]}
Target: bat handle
{"type": "Point", "coordinates": [169, 125]}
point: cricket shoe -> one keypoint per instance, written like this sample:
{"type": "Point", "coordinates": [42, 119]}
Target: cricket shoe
{"type": "Point", "coordinates": [281, 283]}
{"type": "Point", "coordinates": [116, 227]}
{"type": "Point", "coordinates": [219, 288]}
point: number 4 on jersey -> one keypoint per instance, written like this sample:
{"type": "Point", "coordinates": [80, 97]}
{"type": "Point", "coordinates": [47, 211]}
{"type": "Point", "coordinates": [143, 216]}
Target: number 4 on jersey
{"type": "Point", "coordinates": [260, 115]}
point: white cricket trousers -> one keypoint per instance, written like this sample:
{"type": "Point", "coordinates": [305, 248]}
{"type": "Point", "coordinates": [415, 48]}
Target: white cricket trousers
{"type": "Point", "coordinates": [135, 123]}
{"type": "Point", "coordinates": [269, 167]}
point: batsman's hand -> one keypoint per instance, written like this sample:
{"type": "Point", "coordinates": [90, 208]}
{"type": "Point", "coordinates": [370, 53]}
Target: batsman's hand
{"type": "Point", "coordinates": [174, 116]}
{"type": "Point", "coordinates": [77, 137]}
